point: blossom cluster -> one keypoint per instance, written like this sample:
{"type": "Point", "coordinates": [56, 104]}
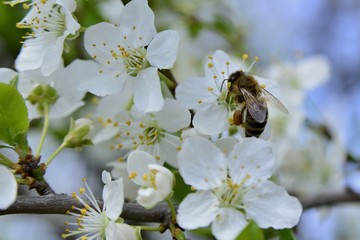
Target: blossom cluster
{"type": "Point", "coordinates": [153, 130]}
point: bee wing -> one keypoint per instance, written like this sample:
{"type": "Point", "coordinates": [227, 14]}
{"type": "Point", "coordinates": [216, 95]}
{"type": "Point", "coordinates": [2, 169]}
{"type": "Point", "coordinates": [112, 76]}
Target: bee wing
{"type": "Point", "coordinates": [256, 108]}
{"type": "Point", "coordinates": [274, 101]}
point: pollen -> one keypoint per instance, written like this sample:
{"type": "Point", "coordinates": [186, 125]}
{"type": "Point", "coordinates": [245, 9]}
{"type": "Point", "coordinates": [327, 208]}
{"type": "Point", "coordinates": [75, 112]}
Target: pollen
{"type": "Point", "coordinates": [210, 89]}
{"type": "Point", "coordinates": [157, 158]}
{"type": "Point", "coordinates": [210, 65]}
{"type": "Point", "coordinates": [245, 56]}
{"type": "Point", "coordinates": [227, 63]}
{"type": "Point", "coordinates": [256, 58]}
{"type": "Point", "coordinates": [83, 179]}
{"type": "Point", "coordinates": [82, 190]}
{"type": "Point", "coordinates": [132, 175]}
{"type": "Point", "coordinates": [199, 101]}
{"type": "Point", "coordinates": [73, 194]}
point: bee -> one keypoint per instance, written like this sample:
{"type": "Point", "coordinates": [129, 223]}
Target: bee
{"type": "Point", "coordinates": [252, 98]}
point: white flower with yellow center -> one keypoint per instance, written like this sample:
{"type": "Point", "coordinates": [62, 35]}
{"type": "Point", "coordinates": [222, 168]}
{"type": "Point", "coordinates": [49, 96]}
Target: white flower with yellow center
{"type": "Point", "coordinates": [131, 52]}
{"type": "Point", "coordinates": [51, 22]}
{"type": "Point", "coordinates": [155, 132]}
{"type": "Point", "coordinates": [156, 181]}
{"type": "Point", "coordinates": [233, 189]}
{"type": "Point", "coordinates": [105, 223]}
{"type": "Point", "coordinates": [208, 95]}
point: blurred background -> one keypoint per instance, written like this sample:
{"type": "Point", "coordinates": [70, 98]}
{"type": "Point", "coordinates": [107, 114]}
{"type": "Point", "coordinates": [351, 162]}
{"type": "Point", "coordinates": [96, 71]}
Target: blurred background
{"type": "Point", "coordinates": [311, 48]}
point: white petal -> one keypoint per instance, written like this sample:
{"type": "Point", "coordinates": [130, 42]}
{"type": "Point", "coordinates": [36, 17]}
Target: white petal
{"type": "Point", "coordinates": [70, 5]}
{"type": "Point", "coordinates": [202, 164]}
{"type": "Point", "coordinates": [197, 210]}
{"type": "Point", "coordinates": [106, 177]}
{"type": "Point", "coordinates": [105, 134]}
{"type": "Point", "coordinates": [168, 150]}
{"type": "Point", "coordinates": [318, 66]}
{"type": "Point", "coordinates": [148, 197]}
{"type": "Point", "coordinates": [138, 162]}
{"type": "Point", "coordinates": [100, 40]}
{"type": "Point", "coordinates": [103, 84]}
{"type": "Point", "coordinates": [228, 224]}
{"type": "Point", "coordinates": [147, 91]}
{"type": "Point", "coordinates": [7, 74]}
{"type": "Point", "coordinates": [194, 94]}
{"type": "Point", "coordinates": [226, 144]}
{"type": "Point", "coordinates": [137, 23]}
{"type": "Point", "coordinates": [222, 64]}
{"type": "Point", "coordinates": [212, 119]}
{"type": "Point", "coordinates": [52, 56]}
{"type": "Point", "coordinates": [271, 206]}
{"type": "Point", "coordinates": [173, 116]}
{"type": "Point", "coordinates": [120, 231]}
{"type": "Point", "coordinates": [31, 56]}
{"type": "Point", "coordinates": [8, 189]}
{"type": "Point", "coordinates": [162, 50]}
{"type": "Point", "coordinates": [113, 196]}
{"type": "Point", "coordinates": [63, 107]}
{"type": "Point", "coordinates": [164, 181]}
{"type": "Point", "coordinates": [252, 159]}
{"type": "Point", "coordinates": [68, 79]}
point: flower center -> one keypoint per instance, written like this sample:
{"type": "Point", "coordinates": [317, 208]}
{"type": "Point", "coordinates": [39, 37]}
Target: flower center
{"type": "Point", "coordinates": [46, 19]}
{"type": "Point", "coordinates": [134, 59]}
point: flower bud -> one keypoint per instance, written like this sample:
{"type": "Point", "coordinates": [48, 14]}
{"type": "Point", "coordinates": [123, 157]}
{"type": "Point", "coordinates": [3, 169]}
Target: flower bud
{"type": "Point", "coordinates": [80, 133]}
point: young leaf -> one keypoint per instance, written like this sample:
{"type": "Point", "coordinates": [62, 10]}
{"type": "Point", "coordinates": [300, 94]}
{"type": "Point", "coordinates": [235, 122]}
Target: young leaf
{"type": "Point", "coordinates": [251, 232]}
{"type": "Point", "coordinates": [14, 121]}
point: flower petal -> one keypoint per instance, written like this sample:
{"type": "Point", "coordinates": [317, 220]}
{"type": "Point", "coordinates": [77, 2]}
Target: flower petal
{"type": "Point", "coordinates": [222, 66]}
{"type": "Point", "coordinates": [137, 162]}
{"type": "Point", "coordinates": [173, 116]}
{"type": "Point", "coordinates": [147, 91]}
{"type": "Point", "coordinates": [7, 74]}
{"type": "Point", "coordinates": [228, 224]}
{"type": "Point", "coordinates": [8, 189]}
{"type": "Point", "coordinates": [271, 206]}
{"type": "Point", "coordinates": [194, 94]}
{"type": "Point", "coordinates": [197, 210]}
{"type": "Point", "coordinates": [202, 164]}
{"type": "Point", "coordinates": [252, 159]}
{"type": "Point", "coordinates": [120, 231]}
{"type": "Point", "coordinates": [137, 23]}
{"type": "Point", "coordinates": [212, 119]}
{"type": "Point", "coordinates": [148, 197]}
{"type": "Point", "coordinates": [113, 196]}
{"type": "Point", "coordinates": [162, 50]}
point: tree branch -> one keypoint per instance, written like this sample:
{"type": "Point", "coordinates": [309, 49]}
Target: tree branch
{"type": "Point", "coordinates": [329, 199]}
{"type": "Point", "coordinates": [60, 203]}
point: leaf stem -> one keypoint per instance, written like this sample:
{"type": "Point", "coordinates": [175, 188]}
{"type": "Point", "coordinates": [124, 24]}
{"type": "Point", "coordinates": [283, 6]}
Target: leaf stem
{"type": "Point", "coordinates": [160, 228]}
{"type": "Point", "coordinates": [44, 130]}
{"type": "Point", "coordinates": [5, 161]}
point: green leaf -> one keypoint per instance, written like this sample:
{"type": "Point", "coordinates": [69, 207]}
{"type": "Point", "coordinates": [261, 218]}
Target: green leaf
{"type": "Point", "coordinates": [14, 121]}
{"type": "Point", "coordinates": [251, 232]}
{"type": "Point", "coordinates": [286, 234]}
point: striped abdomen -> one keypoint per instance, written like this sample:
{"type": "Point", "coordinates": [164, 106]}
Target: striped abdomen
{"type": "Point", "coordinates": [252, 127]}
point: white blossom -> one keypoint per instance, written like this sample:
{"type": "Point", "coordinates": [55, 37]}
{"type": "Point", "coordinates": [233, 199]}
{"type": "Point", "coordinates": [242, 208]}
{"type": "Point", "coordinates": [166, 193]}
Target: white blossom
{"type": "Point", "coordinates": [51, 22]}
{"type": "Point", "coordinates": [232, 189]}
{"type": "Point", "coordinates": [155, 180]}
{"type": "Point", "coordinates": [8, 188]}
{"type": "Point", "coordinates": [131, 52]}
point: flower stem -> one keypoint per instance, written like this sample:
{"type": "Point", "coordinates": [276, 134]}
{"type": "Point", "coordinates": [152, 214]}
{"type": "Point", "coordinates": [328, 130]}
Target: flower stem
{"type": "Point", "coordinates": [172, 209]}
{"type": "Point", "coordinates": [165, 79]}
{"type": "Point", "coordinates": [5, 161]}
{"type": "Point", "coordinates": [57, 151]}
{"type": "Point", "coordinates": [160, 228]}
{"type": "Point", "coordinates": [44, 130]}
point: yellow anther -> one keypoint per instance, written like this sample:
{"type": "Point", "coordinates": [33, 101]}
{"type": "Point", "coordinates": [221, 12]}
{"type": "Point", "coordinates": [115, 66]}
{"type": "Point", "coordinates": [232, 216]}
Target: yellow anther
{"type": "Point", "coordinates": [262, 85]}
{"type": "Point", "coordinates": [210, 65]}
{"type": "Point", "coordinates": [83, 211]}
{"type": "Point", "coordinates": [256, 58]}
{"type": "Point", "coordinates": [157, 158]}
{"type": "Point", "coordinates": [132, 175]}
{"type": "Point", "coordinates": [210, 57]}
{"type": "Point", "coordinates": [128, 123]}
{"type": "Point", "coordinates": [73, 194]}
{"type": "Point", "coordinates": [83, 179]}
{"type": "Point", "coordinates": [145, 177]}
{"type": "Point", "coordinates": [193, 188]}
{"type": "Point", "coordinates": [82, 190]}
{"type": "Point", "coordinates": [245, 56]}
{"type": "Point", "coordinates": [210, 89]}
{"type": "Point", "coordinates": [227, 63]}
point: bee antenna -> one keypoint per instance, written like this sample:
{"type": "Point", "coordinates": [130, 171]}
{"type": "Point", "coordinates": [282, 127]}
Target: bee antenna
{"type": "Point", "coordinates": [222, 84]}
